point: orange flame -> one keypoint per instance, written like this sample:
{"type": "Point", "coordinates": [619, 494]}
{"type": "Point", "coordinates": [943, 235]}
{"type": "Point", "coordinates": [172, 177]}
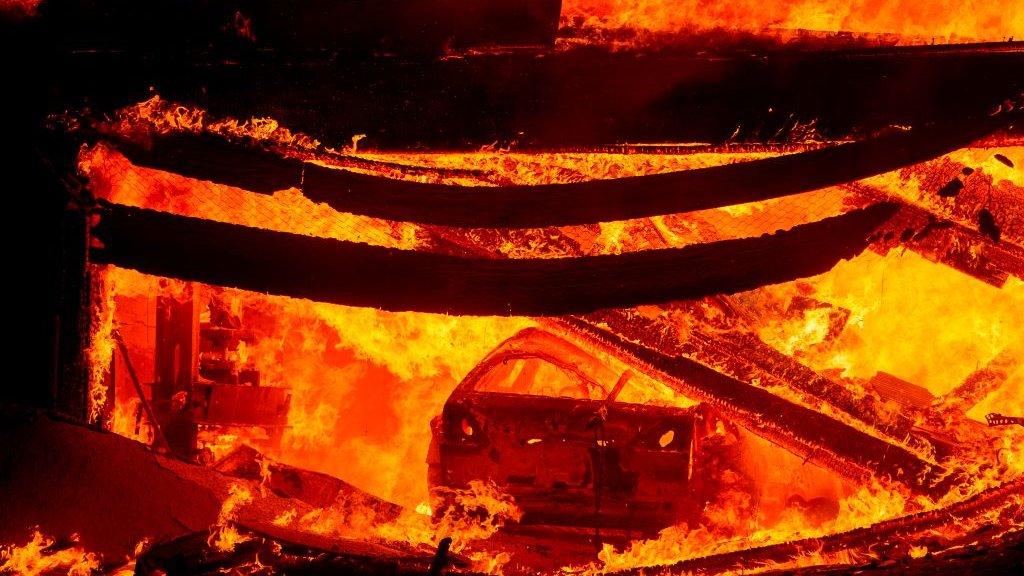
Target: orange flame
{"type": "Point", "coordinates": [909, 317]}
{"type": "Point", "coordinates": [224, 535]}
{"type": "Point", "coordinates": [479, 511]}
{"type": "Point", "coordinates": [36, 557]}
{"type": "Point", "coordinates": [365, 382]}
{"type": "Point", "coordinates": [920, 21]}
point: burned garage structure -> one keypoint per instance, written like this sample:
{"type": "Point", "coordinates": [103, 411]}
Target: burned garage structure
{"type": "Point", "coordinates": [516, 287]}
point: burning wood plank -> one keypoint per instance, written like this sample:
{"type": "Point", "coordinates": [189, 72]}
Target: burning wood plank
{"type": "Point", "coordinates": [362, 275]}
{"type": "Point", "coordinates": [638, 196]}
{"type": "Point", "coordinates": [806, 432]}
{"type": "Point", "coordinates": [744, 356]}
{"type": "Point", "coordinates": [946, 242]}
{"type": "Point", "coordinates": [964, 523]}
{"type": "Point", "coordinates": [255, 166]}
{"type": "Point", "coordinates": [523, 206]}
{"type": "Point", "coordinates": [980, 383]}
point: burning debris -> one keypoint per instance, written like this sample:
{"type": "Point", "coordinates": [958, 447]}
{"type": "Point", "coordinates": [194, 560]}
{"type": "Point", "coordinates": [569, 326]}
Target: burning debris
{"type": "Point", "coordinates": [42, 555]}
{"type": "Point", "coordinates": [736, 381]}
{"type": "Point", "coordinates": [523, 326]}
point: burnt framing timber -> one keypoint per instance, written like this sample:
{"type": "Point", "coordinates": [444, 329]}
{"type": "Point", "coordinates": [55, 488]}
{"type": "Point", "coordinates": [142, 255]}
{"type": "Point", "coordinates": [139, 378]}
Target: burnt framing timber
{"type": "Point", "coordinates": [401, 280]}
{"type": "Point", "coordinates": [529, 206]}
{"type": "Point", "coordinates": [810, 434]}
{"type": "Point", "coordinates": [577, 99]}
{"type": "Point", "coordinates": [635, 196]}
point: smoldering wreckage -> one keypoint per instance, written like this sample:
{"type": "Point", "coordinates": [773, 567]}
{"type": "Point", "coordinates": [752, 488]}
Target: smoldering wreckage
{"type": "Point", "coordinates": [353, 287]}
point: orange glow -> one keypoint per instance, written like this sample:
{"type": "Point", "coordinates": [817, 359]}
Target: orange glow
{"type": "Point", "coordinates": [37, 557]}
{"type": "Point", "coordinates": [365, 383]}
{"type": "Point", "coordinates": [125, 415]}
{"type": "Point", "coordinates": [991, 183]}
{"type": "Point", "coordinates": [913, 21]}
{"type": "Point", "coordinates": [722, 531]}
{"type": "Point", "coordinates": [896, 327]}
{"type": "Point", "coordinates": [479, 512]}
{"type": "Point", "coordinates": [159, 115]}
{"type": "Point", "coordinates": [331, 355]}
{"type": "Point", "coordinates": [114, 178]}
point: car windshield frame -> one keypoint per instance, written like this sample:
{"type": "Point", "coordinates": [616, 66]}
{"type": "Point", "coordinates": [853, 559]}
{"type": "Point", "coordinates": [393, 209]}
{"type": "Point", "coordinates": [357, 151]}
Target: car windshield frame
{"type": "Point", "coordinates": [582, 379]}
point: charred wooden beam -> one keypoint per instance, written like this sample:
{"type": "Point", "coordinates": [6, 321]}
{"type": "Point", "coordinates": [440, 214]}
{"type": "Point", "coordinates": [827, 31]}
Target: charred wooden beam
{"type": "Point", "coordinates": [946, 242]}
{"type": "Point", "coordinates": [243, 164]}
{"type": "Point", "coordinates": [742, 355]}
{"type": "Point", "coordinates": [615, 199]}
{"type": "Point", "coordinates": [745, 356]}
{"type": "Point", "coordinates": [819, 438]}
{"type": "Point", "coordinates": [246, 163]}
{"type": "Point", "coordinates": [980, 383]}
{"type": "Point", "coordinates": [523, 206]}
{"type": "Point", "coordinates": [562, 100]}
{"type": "Point", "coordinates": [362, 275]}
{"type": "Point", "coordinates": [251, 165]}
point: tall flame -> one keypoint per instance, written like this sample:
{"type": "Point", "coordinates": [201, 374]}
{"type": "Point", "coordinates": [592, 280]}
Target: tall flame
{"type": "Point", "coordinates": [926, 324]}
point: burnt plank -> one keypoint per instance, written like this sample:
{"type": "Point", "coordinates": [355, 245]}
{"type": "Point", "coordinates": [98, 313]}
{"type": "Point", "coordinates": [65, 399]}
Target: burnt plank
{"type": "Point", "coordinates": [207, 157]}
{"type": "Point", "coordinates": [249, 165]}
{"type": "Point", "coordinates": [979, 383]}
{"type": "Point", "coordinates": [947, 242]}
{"type": "Point", "coordinates": [615, 199]}
{"type": "Point", "coordinates": [362, 275]}
{"type": "Point", "coordinates": [545, 99]}
{"type": "Point", "coordinates": [806, 432]}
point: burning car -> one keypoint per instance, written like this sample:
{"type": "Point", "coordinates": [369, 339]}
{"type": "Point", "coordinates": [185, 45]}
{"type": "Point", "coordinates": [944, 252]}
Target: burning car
{"type": "Point", "coordinates": [572, 440]}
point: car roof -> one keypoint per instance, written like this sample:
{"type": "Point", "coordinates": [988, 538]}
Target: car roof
{"type": "Point", "coordinates": [537, 343]}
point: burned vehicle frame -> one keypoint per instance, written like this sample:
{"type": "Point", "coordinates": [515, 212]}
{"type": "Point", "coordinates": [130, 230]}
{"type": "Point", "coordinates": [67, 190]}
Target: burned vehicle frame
{"type": "Point", "coordinates": [573, 441]}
